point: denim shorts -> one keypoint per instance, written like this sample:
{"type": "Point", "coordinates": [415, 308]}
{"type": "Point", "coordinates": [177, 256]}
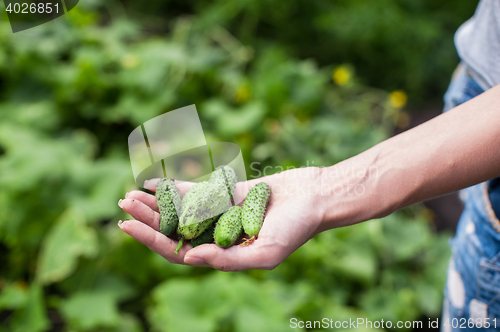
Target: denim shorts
{"type": "Point", "coordinates": [472, 292]}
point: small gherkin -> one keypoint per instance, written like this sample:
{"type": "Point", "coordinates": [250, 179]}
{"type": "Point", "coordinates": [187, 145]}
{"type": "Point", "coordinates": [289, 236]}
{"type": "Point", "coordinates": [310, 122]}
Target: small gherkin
{"type": "Point", "coordinates": [225, 176]}
{"type": "Point", "coordinates": [194, 230]}
{"type": "Point", "coordinates": [206, 237]}
{"type": "Point", "coordinates": [169, 205]}
{"type": "Point", "coordinates": [201, 233]}
{"type": "Point", "coordinates": [254, 208]}
{"type": "Point", "coordinates": [199, 187]}
{"type": "Point", "coordinates": [198, 212]}
{"type": "Point", "coordinates": [228, 228]}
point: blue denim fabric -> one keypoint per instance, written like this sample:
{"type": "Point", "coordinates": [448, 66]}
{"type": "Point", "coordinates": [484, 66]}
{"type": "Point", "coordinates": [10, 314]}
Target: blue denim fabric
{"type": "Point", "coordinates": [494, 190]}
{"type": "Point", "coordinates": [472, 292]}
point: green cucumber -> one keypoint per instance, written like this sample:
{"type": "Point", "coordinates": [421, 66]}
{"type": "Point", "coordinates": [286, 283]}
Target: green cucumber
{"type": "Point", "coordinates": [198, 212]}
{"type": "Point", "coordinates": [228, 228]}
{"type": "Point", "coordinates": [254, 208]}
{"type": "Point", "coordinates": [225, 176]}
{"type": "Point", "coordinates": [206, 237]}
{"type": "Point", "coordinates": [192, 231]}
{"type": "Point", "coordinates": [169, 205]}
{"type": "Point", "coordinates": [191, 193]}
{"type": "Point", "coordinates": [203, 233]}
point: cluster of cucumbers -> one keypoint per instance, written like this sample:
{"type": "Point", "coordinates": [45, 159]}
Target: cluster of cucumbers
{"type": "Point", "coordinates": [205, 214]}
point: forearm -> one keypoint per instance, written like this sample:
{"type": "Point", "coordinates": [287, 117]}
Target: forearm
{"type": "Point", "coordinates": [452, 151]}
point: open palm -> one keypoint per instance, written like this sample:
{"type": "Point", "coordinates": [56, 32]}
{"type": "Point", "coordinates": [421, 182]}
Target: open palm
{"type": "Point", "coordinates": [292, 218]}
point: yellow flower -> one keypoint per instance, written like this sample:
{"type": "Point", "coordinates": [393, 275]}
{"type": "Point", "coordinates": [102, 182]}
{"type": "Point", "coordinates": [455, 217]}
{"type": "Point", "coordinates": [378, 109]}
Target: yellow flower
{"type": "Point", "coordinates": [341, 75]}
{"type": "Point", "coordinates": [129, 61]}
{"type": "Point", "coordinates": [398, 98]}
{"type": "Point", "coordinates": [243, 94]}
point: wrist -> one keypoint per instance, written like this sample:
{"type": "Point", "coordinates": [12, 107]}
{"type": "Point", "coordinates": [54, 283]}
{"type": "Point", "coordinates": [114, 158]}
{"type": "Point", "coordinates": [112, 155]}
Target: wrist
{"type": "Point", "coordinates": [353, 190]}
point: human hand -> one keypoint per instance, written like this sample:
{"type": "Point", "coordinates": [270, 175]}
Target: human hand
{"type": "Point", "coordinates": [293, 216]}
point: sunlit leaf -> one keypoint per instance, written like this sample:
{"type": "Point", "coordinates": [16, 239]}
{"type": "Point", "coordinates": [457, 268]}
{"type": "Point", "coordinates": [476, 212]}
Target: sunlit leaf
{"type": "Point", "coordinates": [13, 296]}
{"type": "Point", "coordinates": [87, 310]}
{"type": "Point", "coordinates": [69, 239]}
{"type": "Point", "coordinates": [32, 316]}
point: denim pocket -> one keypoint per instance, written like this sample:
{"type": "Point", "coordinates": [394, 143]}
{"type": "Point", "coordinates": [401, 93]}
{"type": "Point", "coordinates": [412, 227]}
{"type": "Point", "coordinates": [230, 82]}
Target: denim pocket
{"type": "Point", "coordinates": [471, 90]}
{"type": "Point", "coordinates": [462, 88]}
{"type": "Point", "coordinates": [488, 286]}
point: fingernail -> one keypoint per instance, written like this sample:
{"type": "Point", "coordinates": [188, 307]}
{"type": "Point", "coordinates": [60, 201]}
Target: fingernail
{"type": "Point", "coordinates": [120, 203]}
{"type": "Point", "coordinates": [146, 183]}
{"type": "Point", "coordinates": [197, 261]}
{"type": "Point", "coordinates": [126, 195]}
{"type": "Point", "coordinates": [120, 222]}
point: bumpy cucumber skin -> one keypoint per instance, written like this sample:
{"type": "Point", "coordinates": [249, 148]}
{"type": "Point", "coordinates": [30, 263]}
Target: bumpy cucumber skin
{"type": "Point", "coordinates": [228, 228]}
{"type": "Point", "coordinates": [198, 212]}
{"type": "Point", "coordinates": [192, 231]}
{"type": "Point", "coordinates": [254, 208]}
{"type": "Point", "coordinates": [169, 205]}
{"type": "Point", "coordinates": [206, 237]}
{"type": "Point", "coordinates": [191, 193]}
{"type": "Point", "coordinates": [225, 175]}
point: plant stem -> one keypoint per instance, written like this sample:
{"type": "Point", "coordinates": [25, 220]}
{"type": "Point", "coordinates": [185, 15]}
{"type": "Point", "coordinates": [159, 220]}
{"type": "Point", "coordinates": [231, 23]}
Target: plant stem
{"type": "Point", "coordinates": [179, 246]}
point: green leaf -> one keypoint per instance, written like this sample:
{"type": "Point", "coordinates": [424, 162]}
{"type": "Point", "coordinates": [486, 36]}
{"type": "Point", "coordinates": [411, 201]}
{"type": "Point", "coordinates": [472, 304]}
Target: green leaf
{"type": "Point", "coordinates": [404, 238]}
{"type": "Point", "coordinates": [92, 278]}
{"type": "Point", "coordinates": [233, 122]}
{"type": "Point", "coordinates": [429, 298]}
{"type": "Point", "coordinates": [13, 296]}
{"type": "Point", "coordinates": [68, 239]}
{"type": "Point", "coordinates": [250, 319]}
{"type": "Point", "coordinates": [129, 323]}
{"type": "Point", "coordinates": [104, 182]}
{"type": "Point", "coordinates": [88, 310]}
{"type": "Point", "coordinates": [208, 303]}
{"type": "Point", "coordinates": [178, 310]}
{"type": "Point", "coordinates": [32, 316]}
{"type": "Point", "coordinates": [358, 263]}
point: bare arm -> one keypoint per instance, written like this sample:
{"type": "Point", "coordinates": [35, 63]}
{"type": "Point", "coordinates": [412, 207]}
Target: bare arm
{"type": "Point", "coordinates": [452, 151]}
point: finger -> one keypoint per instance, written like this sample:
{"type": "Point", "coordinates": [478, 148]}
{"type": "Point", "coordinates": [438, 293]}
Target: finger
{"type": "Point", "coordinates": [154, 240]}
{"type": "Point", "coordinates": [151, 184]}
{"type": "Point", "coordinates": [258, 255]}
{"type": "Point", "coordinates": [141, 212]}
{"type": "Point", "coordinates": [148, 199]}
{"type": "Point", "coordinates": [182, 186]}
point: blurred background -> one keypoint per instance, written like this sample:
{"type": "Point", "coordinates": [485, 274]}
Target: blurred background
{"type": "Point", "coordinates": [293, 83]}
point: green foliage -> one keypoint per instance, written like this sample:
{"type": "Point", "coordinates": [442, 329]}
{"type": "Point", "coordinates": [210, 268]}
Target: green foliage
{"type": "Point", "coordinates": [70, 94]}
{"type": "Point", "coordinates": [394, 44]}
{"type": "Point", "coordinates": [88, 310]}
{"type": "Point", "coordinates": [69, 239]}
{"type": "Point", "coordinates": [31, 316]}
